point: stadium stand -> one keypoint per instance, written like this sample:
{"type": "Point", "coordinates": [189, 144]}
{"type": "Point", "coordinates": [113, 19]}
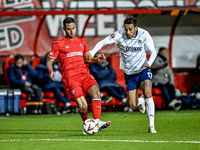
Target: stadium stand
{"type": "Point", "coordinates": [114, 61]}
{"type": "Point", "coordinates": [47, 96]}
{"type": "Point", "coordinates": [50, 97]}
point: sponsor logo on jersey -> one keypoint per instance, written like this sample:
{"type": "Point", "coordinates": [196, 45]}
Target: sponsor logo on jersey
{"type": "Point", "coordinates": [74, 54]}
{"type": "Point", "coordinates": [133, 49]}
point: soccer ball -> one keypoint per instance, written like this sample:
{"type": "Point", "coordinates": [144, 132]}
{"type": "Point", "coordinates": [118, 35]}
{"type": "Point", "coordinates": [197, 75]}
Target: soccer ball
{"type": "Point", "coordinates": [90, 126]}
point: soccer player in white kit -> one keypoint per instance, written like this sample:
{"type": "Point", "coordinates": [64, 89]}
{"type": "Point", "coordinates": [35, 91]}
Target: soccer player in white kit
{"type": "Point", "coordinates": [132, 42]}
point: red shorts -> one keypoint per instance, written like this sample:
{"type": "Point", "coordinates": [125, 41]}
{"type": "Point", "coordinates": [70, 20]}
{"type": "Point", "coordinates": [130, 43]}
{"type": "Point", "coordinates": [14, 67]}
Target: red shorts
{"type": "Point", "coordinates": [79, 85]}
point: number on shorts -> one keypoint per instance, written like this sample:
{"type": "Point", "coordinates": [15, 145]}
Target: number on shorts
{"type": "Point", "coordinates": [149, 75]}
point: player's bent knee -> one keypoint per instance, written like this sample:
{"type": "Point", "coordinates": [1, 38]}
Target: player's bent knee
{"type": "Point", "coordinates": [132, 105]}
{"type": "Point", "coordinates": [83, 107]}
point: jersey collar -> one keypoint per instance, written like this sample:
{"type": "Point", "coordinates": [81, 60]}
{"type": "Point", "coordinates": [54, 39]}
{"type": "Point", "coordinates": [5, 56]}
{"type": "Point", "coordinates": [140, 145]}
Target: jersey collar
{"type": "Point", "coordinates": [136, 33]}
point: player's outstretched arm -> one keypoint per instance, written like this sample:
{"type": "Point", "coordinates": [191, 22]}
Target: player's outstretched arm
{"type": "Point", "coordinates": [50, 69]}
{"type": "Point", "coordinates": [97, 47]}
{"type": "Point", "coordinates": [95, 60]}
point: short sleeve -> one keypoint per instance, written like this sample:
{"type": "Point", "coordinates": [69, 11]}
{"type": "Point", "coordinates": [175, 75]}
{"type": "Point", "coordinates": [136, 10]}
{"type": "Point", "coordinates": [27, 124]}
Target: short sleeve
{"type": "Point", "coordinates": [54, 51]}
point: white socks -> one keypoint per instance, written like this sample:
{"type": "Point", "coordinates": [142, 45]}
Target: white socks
{"type": "Point", "coordinates": [150, 108]}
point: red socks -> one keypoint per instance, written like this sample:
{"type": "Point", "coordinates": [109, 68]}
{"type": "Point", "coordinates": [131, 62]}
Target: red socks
{"type": "Point", "coordinates": [83, 114]}
{"type": "Point", "coordinates": [96, 108]}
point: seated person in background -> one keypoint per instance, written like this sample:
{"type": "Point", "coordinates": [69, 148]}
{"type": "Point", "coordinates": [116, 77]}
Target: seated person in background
{"type": "Point", "coordinates": [106, 76]}
{"type": "Point", "coordinates": [163, 77]}
{"type": "Point", "coordinates": [20, 75]}
{"type": "Point", "coordinates": [48, 85]}
{"type": "Point", "coordinates": [198, 64]}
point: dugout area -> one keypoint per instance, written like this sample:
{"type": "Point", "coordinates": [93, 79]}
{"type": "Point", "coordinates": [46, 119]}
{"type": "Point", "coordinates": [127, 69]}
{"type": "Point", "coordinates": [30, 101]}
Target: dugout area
{"type": "Point", "coordinates": [166, 25]}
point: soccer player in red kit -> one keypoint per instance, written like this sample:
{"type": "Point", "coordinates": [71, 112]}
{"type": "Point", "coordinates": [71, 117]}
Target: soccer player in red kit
{"type": "Point", "coordinates": [76, 77]}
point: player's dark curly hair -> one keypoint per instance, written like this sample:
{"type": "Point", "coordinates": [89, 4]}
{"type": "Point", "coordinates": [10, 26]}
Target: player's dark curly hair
{"type": "Point", "coordinates": [131, 20]}
{"type": "Point", "coordinates": [17, 57]}
{"type": "Point", "coordinates": [68, 20]}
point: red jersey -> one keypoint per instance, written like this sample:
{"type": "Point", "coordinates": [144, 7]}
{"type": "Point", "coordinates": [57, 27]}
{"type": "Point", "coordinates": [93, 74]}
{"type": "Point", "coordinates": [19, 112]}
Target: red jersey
{"type": "Point", "coordinates": [70, 53]}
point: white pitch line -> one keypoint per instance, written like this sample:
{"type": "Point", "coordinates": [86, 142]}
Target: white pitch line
{"type": "Point", "coordinates": [94, 140]}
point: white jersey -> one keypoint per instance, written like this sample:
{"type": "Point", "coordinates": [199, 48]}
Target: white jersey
{"type": "Point", "coordinates": [132, 51]}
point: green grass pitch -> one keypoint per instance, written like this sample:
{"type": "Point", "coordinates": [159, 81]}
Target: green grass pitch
{"type": "Point", "coordinates": [128, 131]}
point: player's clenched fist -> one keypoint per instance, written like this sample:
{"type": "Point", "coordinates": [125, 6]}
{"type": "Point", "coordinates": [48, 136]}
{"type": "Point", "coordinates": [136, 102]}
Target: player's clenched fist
{"type": "Point", "coordinates": [146, 65]}
{"type": "Point", "coordinates": [87, 56]}
{"type": "Point", "coordinates": [101, 57]}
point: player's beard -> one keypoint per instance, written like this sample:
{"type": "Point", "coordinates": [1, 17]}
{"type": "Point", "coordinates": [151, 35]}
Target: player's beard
{"type": "Point", "coordinates": [71, 36]}
{"type": "Point", "coordinates": [129, 36]}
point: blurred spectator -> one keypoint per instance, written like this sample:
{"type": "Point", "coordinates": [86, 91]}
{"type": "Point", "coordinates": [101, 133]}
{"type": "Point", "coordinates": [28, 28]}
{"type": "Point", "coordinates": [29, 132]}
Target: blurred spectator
{"type": "Point", "coordinates": [198, 65]}
{"type": "Point", "coordinates": [56, 86]}
{"type": "Point", "coordinates": [191, 101]}
{"type": "Point", "coordinates": [163, 77]}
{"type": "Point", "coordinates": [20, 75]}
{"type": "Point", "coordinates": [106, 76]}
